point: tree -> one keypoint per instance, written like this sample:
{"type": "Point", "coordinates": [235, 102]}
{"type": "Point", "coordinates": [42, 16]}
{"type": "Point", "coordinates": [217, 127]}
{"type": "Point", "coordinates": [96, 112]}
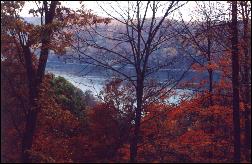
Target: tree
{"type": "Point", "coordinates": [69, 96]}
{"type": "Point", "coordinates": [202, 41]}
{"type": "Point", "coordinates": [235, 84]}
{"type": "Point", "coordinates": [28, 39]}
{"type": "Point", "coordinates": [136, 46]}
{"type": "Point", "coordinates": [107, 133]}
{"type": "Point", "coordinates": [245, 58]}
{"type": "Point", "coordinates": [58, 129]}
{"type": "Point", "coordinates": [36, 76]}
{"type": "Point", "coordinates": [201, 37]}
{"type": "Point", "coordinates": [14, 99]}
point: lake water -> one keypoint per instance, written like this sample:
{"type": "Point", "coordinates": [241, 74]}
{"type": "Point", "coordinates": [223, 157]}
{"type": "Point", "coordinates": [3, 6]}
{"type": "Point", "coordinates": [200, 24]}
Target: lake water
{"type": "Point", "coordinates": [92, 83]}
{"type": "Point", "coordinates": [93, 78]}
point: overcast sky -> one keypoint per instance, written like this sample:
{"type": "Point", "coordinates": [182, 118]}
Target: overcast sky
{"type": "Point", "coordinates": [186, 10]}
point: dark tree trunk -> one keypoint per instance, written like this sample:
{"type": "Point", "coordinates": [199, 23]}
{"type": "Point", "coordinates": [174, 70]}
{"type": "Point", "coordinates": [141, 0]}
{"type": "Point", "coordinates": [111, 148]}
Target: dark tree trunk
{"type": "Point", "coordinates": [210, 89]}
{"type": "Point", "coordinates": [247, 99]}
{"type": "Point", "coordinates": [139, 94]}
{"type": "Point", "coordinates": [29, 133]}
{"type": "Point", "coordinates": [210, 74]}
{"type": "Point", "coordinates": [210, 70]}
{"type": "Point", "coordinates": [235, 84]}
{"type": "Point", "coordinates": [245, 88]}
{"type": "Point", "coordinates": [32, 113]}
{"type": "Point", "coordinates": [135, 137]}
{"type": "Point", "coordinates": [35, 79]}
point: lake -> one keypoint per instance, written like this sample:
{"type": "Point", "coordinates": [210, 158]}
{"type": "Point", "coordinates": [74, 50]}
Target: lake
{"type": "Point", "coordinates": [86, 77]}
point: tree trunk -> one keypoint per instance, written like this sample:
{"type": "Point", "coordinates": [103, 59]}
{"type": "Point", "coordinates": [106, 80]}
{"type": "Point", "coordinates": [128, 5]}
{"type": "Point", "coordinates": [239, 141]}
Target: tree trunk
{"type": "Point", "coordinates": [32, 112]}
{"type": "Point", "coordinates": [235, 84]}
{"type": "Point", "coordinates": [135, 138]}
{"type": "Point", "coordinates": [245, 81]}
{"type": "Point", "coordinates": [210, 70]}
{"type": "Point", "coordinates": [139, 94]}
{"type": "Point", "coordinates": [35, 79]}
{"type": "Point", "coordinates": [29, 133]}
{"type": "Point", "coordinates": [247, 106]}
{"type": "Point", "coordinates": [210, 89]}
{"type": "Point", "coordinates": [210, 74]}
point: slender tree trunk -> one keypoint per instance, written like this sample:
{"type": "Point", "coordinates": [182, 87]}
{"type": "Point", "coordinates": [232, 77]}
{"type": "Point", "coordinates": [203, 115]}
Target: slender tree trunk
{"type": "Point", "coordinates": [139, 94]}
{"type": "Point", "coordinates": [210, 75]}
{"type": "Point", "coordinates": [210, 89]}
{"type": "Point", "coordinates": [211, 119]}
{"type": "Point", "coordinates": [210, 70]}
{"type": "Point", "coordinates": [247, 98]}
{"type": "Point", "coordinates": [235, 84]}
{"type": "Point", "coordinates": [135, 138]}
{"type": "Point", "coordinates": [245, 88]}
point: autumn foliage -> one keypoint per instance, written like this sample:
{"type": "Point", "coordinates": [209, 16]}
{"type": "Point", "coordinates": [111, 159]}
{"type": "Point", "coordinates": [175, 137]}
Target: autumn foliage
{"type": "Point", "coordinates": [183, 133]}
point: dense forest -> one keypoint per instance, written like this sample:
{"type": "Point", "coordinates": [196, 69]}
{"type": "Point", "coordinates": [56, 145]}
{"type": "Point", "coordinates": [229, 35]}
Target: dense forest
{"type": "Point", "coordinates": [175, 89]}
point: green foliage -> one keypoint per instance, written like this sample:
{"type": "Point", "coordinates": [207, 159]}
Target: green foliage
{"type": "Point", "coordinates": [70, 97]}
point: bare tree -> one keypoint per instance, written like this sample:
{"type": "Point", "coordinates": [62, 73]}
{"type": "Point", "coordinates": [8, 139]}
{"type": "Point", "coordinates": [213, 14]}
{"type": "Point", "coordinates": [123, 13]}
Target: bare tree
{"type": "Point", "coordinates": [205, 32]}
{"type": "Point", "coordinates": [201, 41]}
{"type": "Point", "coordinates": [201, 38]}
{"type": "Point", "coordinates": [141, 48]}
